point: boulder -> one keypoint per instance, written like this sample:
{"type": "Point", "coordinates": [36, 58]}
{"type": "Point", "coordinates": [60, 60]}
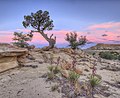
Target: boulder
{"type": "Point", "coordinates": [9, 56]}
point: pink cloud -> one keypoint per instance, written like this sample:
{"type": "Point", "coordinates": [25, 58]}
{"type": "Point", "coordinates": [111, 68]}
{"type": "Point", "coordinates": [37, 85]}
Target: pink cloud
{"type": "Point", "coordinates": [108, 25]}
{"type": "Point", "coordinates": [6, 36]}
{"type": "Point", "coordinates": [111, 29]}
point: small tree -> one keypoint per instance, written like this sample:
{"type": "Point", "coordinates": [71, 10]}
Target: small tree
{"type": "Point", "coordinates": [22, 39]}
{"type": "Point", "coordinates": [74, 41]}
{"type": "Point", "coordinates": [40, 21]}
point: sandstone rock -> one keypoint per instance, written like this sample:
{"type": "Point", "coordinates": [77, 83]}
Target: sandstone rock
{"type": "Point", "coordinates": [7, 63]}
{"type": "Point", "coordinates": [9, 56]}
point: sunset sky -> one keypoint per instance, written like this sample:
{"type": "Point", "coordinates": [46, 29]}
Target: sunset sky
{"type": "Point", "coordinates": [99, 20]}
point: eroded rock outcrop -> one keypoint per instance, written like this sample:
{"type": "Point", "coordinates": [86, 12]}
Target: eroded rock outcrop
{"type": "Point", "coordinates": [9, 56]}
{"type": "Point", "coordinates": [106, 47]}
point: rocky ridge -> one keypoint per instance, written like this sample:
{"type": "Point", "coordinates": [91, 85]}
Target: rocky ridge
{"type": "Point", "coordinates": [101, 46]}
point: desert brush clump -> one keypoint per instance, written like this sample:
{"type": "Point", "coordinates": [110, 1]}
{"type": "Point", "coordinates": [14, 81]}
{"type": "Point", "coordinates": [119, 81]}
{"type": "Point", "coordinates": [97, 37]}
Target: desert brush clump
{"type": "Point", "coordinates": [21, 39]}
{"type": "Point", "coordinates": [73, 76]}
{"type": "Point", "coordinates": [94, 81]}
{"type": "Point", "coordinates": [50, 76]}
{"type": "Point", "coordinates": [54, 69]}
{"type": "Point", "coordinates": [110, 55]}
{"type": "Point", "coordinates": [75, 41]}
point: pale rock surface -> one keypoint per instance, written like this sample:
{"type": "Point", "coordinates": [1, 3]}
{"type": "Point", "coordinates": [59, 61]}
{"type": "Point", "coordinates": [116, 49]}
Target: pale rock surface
{"type": "Point", "coordinates": [9, 56]}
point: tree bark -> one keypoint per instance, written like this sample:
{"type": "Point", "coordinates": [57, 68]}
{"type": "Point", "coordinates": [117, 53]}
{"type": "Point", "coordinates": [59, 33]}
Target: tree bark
{"type": "Point", "coordinates": [51, 41]}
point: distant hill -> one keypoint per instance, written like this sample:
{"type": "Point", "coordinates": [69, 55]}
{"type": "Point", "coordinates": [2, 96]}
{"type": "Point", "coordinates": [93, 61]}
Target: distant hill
{"type": "Point", "coordinates": [101, 46]}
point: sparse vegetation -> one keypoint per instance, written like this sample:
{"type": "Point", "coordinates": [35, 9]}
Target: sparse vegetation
{"type": "Point", "coordinates": [110, 55]}
{"type": "Point", "coordinates": [94, 81]}
{"type": "Point", "coordinates": [73, 76]}
{"type": "Point", "coordinates": [54, 69]}
{"type": "Point", "coordinates": [21, 40]}
{"type": "Point", "coordinates": [50, 75]}
{"type": "Point", "coordinates": [74, 41]}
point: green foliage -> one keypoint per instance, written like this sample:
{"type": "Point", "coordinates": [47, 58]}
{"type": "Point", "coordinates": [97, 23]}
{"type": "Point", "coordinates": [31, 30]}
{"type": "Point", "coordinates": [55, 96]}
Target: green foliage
{"type": "Point", "coordinates": [50, 75]}
{"type": "Point", "coordinates": [74, 41]}
{"type": "Point", "coordinates": [39, 20]}
{"type": "Point", "coordinates": [110, 55]}
{"type": "Point", "coordinates": [54, 69]}
{"type": "Point", "coordinates": [22, 39]}
{"type": "Point", "coordinates": [94, 80]}
{"type": "Point", "coordinates": [73, 76]}
{"type": "Point", "coordinates": [50, 68]}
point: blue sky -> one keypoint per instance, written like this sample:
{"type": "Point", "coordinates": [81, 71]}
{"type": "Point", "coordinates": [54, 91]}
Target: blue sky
{"type": "Point", "coordinates": [69, 15]}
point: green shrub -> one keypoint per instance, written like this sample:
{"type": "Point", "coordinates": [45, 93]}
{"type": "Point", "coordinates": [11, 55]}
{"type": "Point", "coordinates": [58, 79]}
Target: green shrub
{"type": "Point", "coordinates": [54, 69]}
{"type": "Point", "coordinates": [110, 55]}
{"type": "Point", "coordinates": [94, 81]}
{"type": "Point", "coordinates": [21, 39]}
{"type": "Point", "coordinates": [73, 76]}
{"type": "Point", "coordinates": [75, 41]}
{"type": "Point", "coordinates": [50, 76]}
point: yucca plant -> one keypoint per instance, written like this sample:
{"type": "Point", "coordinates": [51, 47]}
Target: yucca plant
{"type": "Point", "coordinates": [94, 81]}
{"type": "Point", "coordinates": [73, 76]}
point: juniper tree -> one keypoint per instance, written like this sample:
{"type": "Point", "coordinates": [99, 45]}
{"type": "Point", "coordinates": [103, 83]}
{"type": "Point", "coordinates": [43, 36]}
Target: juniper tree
{"type": "Point", "coordinates": [74, 41]}
{"type": "Point", "coordinates": [22, 39]}
{"type": "Point", "coordinates": [40, 22]}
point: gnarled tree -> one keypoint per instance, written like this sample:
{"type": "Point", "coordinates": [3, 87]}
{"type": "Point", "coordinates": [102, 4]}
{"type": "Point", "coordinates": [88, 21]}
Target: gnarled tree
{"type": "Point", "coordinates": [74, 41]}
{"type": "Point", "coordinates": [40, 21]}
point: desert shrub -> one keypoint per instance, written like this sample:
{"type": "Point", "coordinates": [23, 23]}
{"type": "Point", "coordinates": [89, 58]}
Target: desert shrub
{"type": "Point", "coordinates": [73, 76]}
{"type": "Point", "coordinates": [50, 75]}
{"type": "Point", "coordinates": [94, 81]}
{"type": "Point", "coordinates": [54, 69]}
{"type": "Point", "coordinates": [119, 57]}
{"type": "Point", "coordinates": [110, 55]}
{"type": "Point", "coordinates": [21, 40]}
{"type": "Point", "coordinates": [74, 41]}
{"type": "Point", "coordinates": [50, 68]}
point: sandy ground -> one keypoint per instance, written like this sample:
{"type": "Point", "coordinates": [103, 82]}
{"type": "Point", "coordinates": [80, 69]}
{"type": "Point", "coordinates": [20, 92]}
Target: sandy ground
{"type": "Point", "coordinates": [26, 82]}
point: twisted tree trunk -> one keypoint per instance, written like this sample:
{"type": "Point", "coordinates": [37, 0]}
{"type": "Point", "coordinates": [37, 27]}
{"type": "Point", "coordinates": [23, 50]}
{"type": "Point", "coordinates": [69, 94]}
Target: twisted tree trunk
{"type": "Point", "coordinates": [51, 41]}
